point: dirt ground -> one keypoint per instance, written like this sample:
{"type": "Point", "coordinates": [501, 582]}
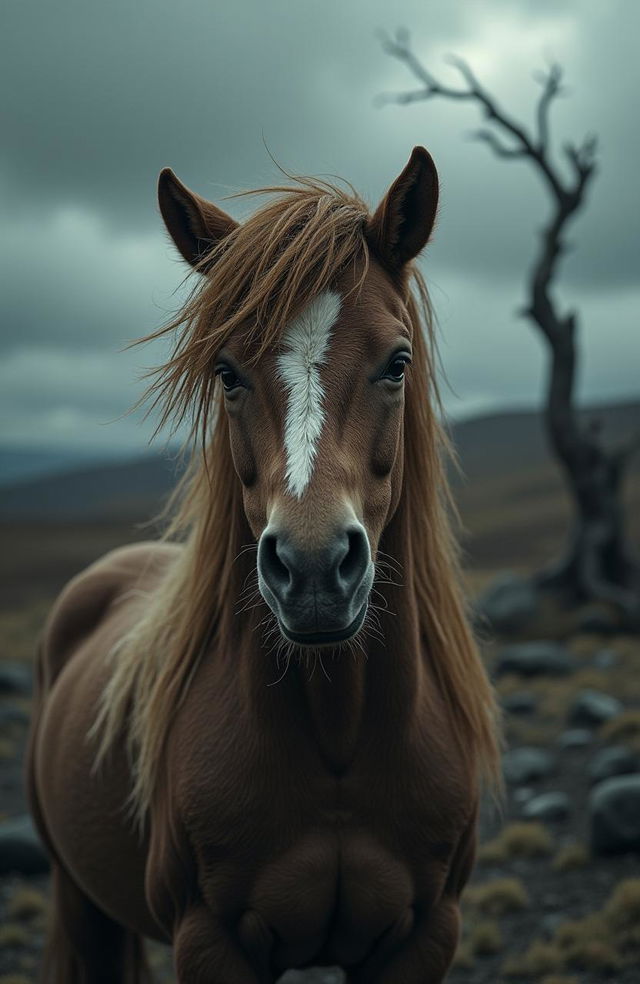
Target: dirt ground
{"type": "Point", "coordinates": [540, 907]}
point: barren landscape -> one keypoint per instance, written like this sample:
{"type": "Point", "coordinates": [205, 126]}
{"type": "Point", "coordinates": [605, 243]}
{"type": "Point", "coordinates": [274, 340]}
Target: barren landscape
{"type": "Point", "coordinates": [544, 904]}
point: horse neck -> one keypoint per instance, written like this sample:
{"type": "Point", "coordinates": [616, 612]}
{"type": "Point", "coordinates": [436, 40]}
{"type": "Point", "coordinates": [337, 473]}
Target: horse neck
{"type": "Point", "coordinates": [345, 694]}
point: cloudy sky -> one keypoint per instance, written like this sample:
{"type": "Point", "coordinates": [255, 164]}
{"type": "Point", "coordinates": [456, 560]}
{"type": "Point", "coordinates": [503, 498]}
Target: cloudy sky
{"type": "Point", "coordinates": [96, 98]}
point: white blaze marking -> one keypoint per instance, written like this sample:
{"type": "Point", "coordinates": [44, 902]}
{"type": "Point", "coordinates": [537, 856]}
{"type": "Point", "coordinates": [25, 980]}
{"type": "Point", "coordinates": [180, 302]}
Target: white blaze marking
{"type": "Point", "coordinates": [306, 340]}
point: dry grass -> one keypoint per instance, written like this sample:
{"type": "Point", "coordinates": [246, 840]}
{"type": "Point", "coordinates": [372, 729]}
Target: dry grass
{"type": "Point", "coordinates": [463, 956]}
{"type": "Point", "coordinates": [540, 958]}
{"type": "Point", "coordinates": [520, 731]}
{"type": "Point", "coordinates": [19, 630]}
{"type": "Point", "coordinates": [27, 904]}
{"type": "Point", "coordinates": [13, 934]}
{"type": "Point", "coordinates": [485, 938]}
{"type": "Point", "coordinates": [497, 897]}
{"type": "Point", "coordinates": [558, 979]}
{"type": "Point", "coordinates": [603, 942]}
{"type": "Point", "coordinates": [8, 749]}
{"type": "Point", "coordinates": [624, 728]}
{"type": "Point", "coordinates": [622, 911]}
{"type": "Point", "coordinates": [517, 840]}
{"type": "Point", "coordinates": [571, 857]}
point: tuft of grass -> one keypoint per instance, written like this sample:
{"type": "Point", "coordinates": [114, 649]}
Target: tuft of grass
{"type": "Point", "coordinates": [8, 749]}
{"type": "Point", "coordinates": [571, 857]}
{"type": "Point", "coordinates": [622, 912]}
{"type": "Point", "coordinates": [602, 943]}
{"type": "Point", "coordinates": [559, 979]}
{"type": "Point", "coordinates": [27, 903]}
{"type": "Point", "coordinates": [463, 957]}
{"type": "Point", "coordinates": [486, 939]}
{"type": "Point", "coordinates": [13, 934]}
{"type": "Point", "coordinates": [540, 958]}
{"type": "Point", "coordinates": [497, 897]}
{"type": "Point", "coordinates": [584, 645]}
{"type": "Point", "coordinates": [517, 840]}
{"type": "Point", "coordinates": [623, 728]}
{"type": "Point", "coordinates": [19, 630]}
{"type": "Point", "coordinates": [595, 955]}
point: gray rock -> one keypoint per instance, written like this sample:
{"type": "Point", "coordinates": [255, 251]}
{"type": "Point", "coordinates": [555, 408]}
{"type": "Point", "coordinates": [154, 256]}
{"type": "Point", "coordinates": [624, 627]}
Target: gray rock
{"type": "Point", "coordinates": [592, 708]}
{"type": "Point", "coordinates": [522, 794]}
{"type": "Point", "coordinates": [522, 702]}
{"type": "Point", "coordinates": [614, 815]}
{"type": "Point", "coordinates": [521, 765]}
{"type": "Point", "coordinates": [15, 678]}
{"type": "Point", "coordinates": [509, 602]}
{"type": "Point", "coordinates": [616, 760]}
{"type": "Point", "coordinates": [20, 848]}
{"type": "Point", "coordinates": [575, 738]}
{"type": "Point", "coordinates": [535, 659]}
{"type": "Point", "coordinates": [547, 806]}
{"type": "Point", "coordinates": [604, 659]}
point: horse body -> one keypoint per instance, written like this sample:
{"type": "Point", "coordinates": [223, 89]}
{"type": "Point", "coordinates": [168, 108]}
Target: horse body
{"type": "Point", "coordinates": [319, 848]}
{"type": "Point", "coordinates": [318, 811]}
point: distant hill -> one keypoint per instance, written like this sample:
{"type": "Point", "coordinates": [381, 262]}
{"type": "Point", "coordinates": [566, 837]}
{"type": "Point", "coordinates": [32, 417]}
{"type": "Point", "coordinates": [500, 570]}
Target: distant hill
{"type": "Point", "coordinates": [504, 451]}
{"type": "Point", "coordinates": [24, 464]}
{"type": "Point", "coordinates": [511, 499]}
{"type": "Point", "coordinates": [129, 490]}
{"type": "Point", "coordinates": [504, 443]}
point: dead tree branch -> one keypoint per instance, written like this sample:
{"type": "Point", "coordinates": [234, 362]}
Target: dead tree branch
{"type": "Point", "coordinates": [598, 565]}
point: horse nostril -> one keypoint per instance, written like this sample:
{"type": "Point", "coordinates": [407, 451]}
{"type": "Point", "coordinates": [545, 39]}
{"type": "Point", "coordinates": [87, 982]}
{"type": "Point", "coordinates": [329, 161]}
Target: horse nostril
{"type": "Point", "coordinates": [356, 559]}
{"type": "Point", "coordinates": [271, 561]}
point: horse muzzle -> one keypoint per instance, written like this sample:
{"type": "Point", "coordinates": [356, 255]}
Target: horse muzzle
{"type": "Point", "coordinates": [319, 596]}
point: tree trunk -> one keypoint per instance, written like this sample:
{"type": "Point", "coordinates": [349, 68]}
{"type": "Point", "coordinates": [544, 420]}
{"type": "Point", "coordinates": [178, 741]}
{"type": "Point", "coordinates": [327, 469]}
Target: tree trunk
{"type": "Point", "coordinates": [596, 565]}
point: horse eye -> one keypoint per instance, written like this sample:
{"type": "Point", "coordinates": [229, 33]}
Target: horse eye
{"type": "Point", "coordinates": [230, 380]}
{"type": "Point", "coordinates": [395, 369]}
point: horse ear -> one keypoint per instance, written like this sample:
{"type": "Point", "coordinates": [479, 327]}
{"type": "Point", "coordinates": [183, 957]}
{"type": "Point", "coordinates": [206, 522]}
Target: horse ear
{"type": "Point", "coordinates": [194, 224]}
{"type": "Point", "coordinates": [402, 222]}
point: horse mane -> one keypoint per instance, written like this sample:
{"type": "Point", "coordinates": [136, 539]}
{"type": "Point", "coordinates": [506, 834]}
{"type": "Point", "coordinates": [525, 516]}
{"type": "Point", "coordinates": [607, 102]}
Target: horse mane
{"type": "Point", "coordinates": [258, 278]}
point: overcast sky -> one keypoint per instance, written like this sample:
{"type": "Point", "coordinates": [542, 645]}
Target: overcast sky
{"type": "Point", "coordinates": [96, 98]}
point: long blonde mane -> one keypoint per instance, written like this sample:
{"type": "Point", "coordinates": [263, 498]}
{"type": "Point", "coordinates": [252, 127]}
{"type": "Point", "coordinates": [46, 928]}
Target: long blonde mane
{"type": "Point", "coordinates": [261, 276]}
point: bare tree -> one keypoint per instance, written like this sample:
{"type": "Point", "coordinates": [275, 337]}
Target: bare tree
{"type": "Point", "coordinates": [597, 565]}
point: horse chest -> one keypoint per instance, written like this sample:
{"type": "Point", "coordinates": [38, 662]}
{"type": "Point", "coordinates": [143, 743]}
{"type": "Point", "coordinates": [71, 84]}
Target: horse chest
{"type": "Point", "coordinates": [327, 900]}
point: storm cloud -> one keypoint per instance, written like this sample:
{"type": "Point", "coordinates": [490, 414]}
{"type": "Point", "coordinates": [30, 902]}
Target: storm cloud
{"type": "Point", "coordinates": [98, 97]}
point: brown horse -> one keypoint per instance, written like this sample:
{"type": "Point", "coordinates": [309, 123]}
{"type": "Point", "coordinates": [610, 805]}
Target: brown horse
{"type": "Point", "coordinates": [272, 758]}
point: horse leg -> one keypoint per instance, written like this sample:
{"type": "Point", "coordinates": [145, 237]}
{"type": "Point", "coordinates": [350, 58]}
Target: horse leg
{"type": "Point", "coordinates": [206, 953]}
{"type": "Point", "coordinates": [85, 946]}
{"type": "Point", "coordinates": [426, 955]}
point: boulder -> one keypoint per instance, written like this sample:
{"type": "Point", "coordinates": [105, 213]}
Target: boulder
{"type": "Point", "coordinates": [541, 658]}
{"type": "Point", "coordinates": [521, 702]}
{"type": "Point", "coordinates": [20, 848]}
{"type": "Point", "coordinates": [575, 738]}
{"type": "Point", "coordinates": [614, 815]}
{"type": "Point", "coordinates": [547, 806]}
{"type": "Point", "coordinates": [508, 603]}
{"type": "Point", "coordinates": [592, 708]}
{"type": "Point", "coordinates": [522, 765]}
{"type": "Point", "coordinates": [604, 659]}
{"type": "Point", "coordinates": [615, 760]}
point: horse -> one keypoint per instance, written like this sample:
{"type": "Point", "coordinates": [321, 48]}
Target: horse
{"type": "Point", "coordinates": [263, 738]}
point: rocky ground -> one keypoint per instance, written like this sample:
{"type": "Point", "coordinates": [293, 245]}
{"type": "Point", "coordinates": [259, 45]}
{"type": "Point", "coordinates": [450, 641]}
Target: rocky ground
{"type": "Point", "coordinates": [546, 903]}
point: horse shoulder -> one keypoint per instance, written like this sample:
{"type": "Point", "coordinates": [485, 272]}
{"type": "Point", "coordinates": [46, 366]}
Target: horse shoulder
{"type": "Point", "coordinates": [88, 597]}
